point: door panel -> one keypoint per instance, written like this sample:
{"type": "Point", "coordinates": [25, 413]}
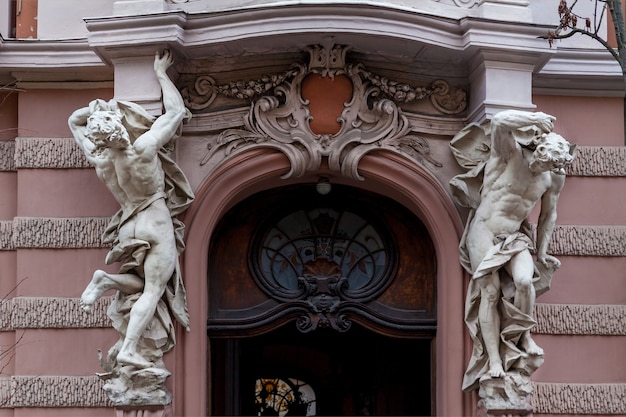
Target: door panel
{"type": "Point", "coordinates": [352, 373]}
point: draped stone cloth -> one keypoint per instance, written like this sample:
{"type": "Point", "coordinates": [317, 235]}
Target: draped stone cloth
{"type": "Point", "coordinates": [471, 148]}
{"type": "Point", "coordinates": [178, 195]}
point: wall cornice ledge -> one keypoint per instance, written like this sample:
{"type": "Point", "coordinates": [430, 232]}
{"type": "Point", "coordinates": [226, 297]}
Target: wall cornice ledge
{"type": "Point", "coordinates": [58, 60]}
{"type": "Point", "coordinates": [594, 72]}
{"type": "Point", "coordinates": [282, 28]}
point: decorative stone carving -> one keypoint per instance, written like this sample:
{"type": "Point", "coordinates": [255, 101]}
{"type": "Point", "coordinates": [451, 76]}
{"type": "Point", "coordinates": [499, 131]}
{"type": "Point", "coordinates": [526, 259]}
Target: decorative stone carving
{"type": "Point", "coordinates": [280, 119]}
{"type": "Point", "coordinates": [514, 162]}
{"type": "Point", "coordinates": [127, 146]}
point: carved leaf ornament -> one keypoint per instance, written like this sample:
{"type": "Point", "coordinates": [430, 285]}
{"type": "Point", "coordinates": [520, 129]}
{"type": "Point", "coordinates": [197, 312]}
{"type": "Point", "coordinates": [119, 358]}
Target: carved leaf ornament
{"type": "Point", "coordinates": [280, 118]}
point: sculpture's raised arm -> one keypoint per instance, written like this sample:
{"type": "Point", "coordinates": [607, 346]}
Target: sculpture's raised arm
{"type": "Point", "coordinates": [78, 123]}
{"type": "Point", "coordinates": [164, 128]}
{"type": "Point", "coordinates": [504, 124]}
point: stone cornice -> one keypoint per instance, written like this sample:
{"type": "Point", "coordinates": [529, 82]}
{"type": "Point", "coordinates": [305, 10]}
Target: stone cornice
{"type": "Point", "coordinates": [380, 28]}
{"type": "Point", "coordinates": [52, 60]}
{"type": "Point", "coordinates": [575, 72]}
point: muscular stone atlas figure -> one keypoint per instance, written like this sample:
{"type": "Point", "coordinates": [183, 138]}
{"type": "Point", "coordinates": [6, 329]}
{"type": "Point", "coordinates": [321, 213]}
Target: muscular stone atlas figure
{"type": "Point", "coordinates": [523, 167]}
{"type": "Point", "coordinates": [125, 145]}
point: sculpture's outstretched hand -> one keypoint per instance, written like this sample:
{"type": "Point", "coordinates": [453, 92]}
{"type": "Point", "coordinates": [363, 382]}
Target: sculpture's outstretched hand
{"type": "Point", "coordinates": [549, 262]}
{"type": "Point", "coordinates": [163, 61]}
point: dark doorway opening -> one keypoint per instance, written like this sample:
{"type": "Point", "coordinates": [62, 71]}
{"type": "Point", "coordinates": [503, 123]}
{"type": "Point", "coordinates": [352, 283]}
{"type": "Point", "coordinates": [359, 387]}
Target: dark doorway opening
{"type": "Point", "coordinates": [358, 372]}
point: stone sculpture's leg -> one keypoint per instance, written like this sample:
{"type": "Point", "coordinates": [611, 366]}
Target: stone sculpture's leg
{"type": "Point", "coordinates": [159, 265]}
{"type": "Point", "coordinates": [489, 320]}
{"type": "Point", "coordinates": [521, 268]}
{"type": "Point", "coordinates": [103, 282]}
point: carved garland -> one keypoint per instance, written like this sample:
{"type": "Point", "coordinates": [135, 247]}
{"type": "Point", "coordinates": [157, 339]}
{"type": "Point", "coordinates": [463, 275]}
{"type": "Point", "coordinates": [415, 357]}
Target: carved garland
{"type": "Point", "coordinates": [280, 118]}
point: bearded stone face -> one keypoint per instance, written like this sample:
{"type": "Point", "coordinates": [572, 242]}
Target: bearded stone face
{"type": "Point", "coordinates": [105, 129]}
{"type": "Point", "coordinates": [552, 152]}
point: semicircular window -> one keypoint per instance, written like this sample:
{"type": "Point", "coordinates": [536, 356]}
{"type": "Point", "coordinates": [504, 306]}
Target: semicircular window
{"type": "Point", "coordinates": [324, 247]}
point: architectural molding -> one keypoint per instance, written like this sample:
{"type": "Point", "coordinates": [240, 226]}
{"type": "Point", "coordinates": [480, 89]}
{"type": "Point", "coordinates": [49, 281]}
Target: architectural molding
{"type": "Point", "coordinates": [48, 153]}
{"type": "Point", "coordinates": [51, 60]}
{"type": "Point", "coordinates": [51, 313]}
{"type": "Point", "coordinates": [586, 399]}
{"type": "Point", "coordinates": [52, 391]}
{"type": "Point", "coordinates": [595, 72]}
{"type": "Point", "coordinates": [580, 319]}
{"type": "Point", "coordinates": [58, 233]}
{"type": "Point", "coordinates": [7, 154]}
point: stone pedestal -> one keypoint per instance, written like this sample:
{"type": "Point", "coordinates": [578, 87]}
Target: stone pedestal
{"type": "Point", "coordinates": [145, 411]}
{"type": "Point", "coordinates": [129, 386]}
{"type": "Point", "coordinates": [507, 396]}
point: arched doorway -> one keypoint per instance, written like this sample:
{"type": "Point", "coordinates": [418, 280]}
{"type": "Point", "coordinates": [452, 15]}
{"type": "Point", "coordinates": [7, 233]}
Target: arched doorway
{"type": "Point", "coordinates": [332, 295]}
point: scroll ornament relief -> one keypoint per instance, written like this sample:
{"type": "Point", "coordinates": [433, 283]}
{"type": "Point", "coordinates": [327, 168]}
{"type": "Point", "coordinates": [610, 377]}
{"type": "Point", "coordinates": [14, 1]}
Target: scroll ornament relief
{"type": "Point", "coordinates": [280, 117]}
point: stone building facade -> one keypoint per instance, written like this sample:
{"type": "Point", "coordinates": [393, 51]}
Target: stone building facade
{"type": "Point", "coordinates": [266, 82]}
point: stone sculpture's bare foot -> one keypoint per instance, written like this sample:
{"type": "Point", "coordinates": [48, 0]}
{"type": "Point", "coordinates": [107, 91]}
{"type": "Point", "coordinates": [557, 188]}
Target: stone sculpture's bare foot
{"type": "Point", "coordinates": [496, 370]}
{"type": "Point", "coordinates": [99, 284]}
{"type": "Point", "coordinates": [530, 347]}
{"type": "Point", "coordinates": [133, 359]}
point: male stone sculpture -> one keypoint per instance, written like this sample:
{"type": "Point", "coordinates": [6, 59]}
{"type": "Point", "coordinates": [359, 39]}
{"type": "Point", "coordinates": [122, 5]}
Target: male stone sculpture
{"type": "Point", "coordinates": [515, 163]}
{"type": "Point", "coordinates": [126, 146]}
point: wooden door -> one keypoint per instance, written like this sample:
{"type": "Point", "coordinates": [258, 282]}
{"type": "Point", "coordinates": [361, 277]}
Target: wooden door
{"type": "Point", "coordinates": [332, 295]}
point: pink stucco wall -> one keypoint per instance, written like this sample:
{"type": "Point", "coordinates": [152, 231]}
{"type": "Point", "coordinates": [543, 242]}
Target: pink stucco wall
{"type": "Point", "coordinates": [76, 193]}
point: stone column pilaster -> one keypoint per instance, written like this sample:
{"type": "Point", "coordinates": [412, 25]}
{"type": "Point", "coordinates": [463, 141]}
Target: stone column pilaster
{"type": "Point", "coordinates": [499, 82]}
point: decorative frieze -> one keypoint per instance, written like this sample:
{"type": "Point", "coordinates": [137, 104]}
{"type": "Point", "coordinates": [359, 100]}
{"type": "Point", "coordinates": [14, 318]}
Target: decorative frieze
{"type": "Point", "coordinates": [52, 391]}
{"type": "Point", "coordinates": [51, 313]}
{"type": "Point", "coordinates": [599, 161]}
{"type": "Point", "coordinates": [48, 153]}
{"type": "Point", "coordinates": [58, 233]}
{"type": "Point", "coordinates": [7, 152]}
{"type": "Point", "coordinates": [586, 399]}
{"type": "Point", "coordinates": [580, 319]}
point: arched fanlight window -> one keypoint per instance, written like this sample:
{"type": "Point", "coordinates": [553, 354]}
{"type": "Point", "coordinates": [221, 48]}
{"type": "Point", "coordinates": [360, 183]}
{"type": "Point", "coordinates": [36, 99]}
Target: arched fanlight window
{"type": "Point", "coordinates": [324, 242]}
{"type": "Point", "coordinates": [320, 260]}
{"type": "Point", "coordinates": [284, 397]}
